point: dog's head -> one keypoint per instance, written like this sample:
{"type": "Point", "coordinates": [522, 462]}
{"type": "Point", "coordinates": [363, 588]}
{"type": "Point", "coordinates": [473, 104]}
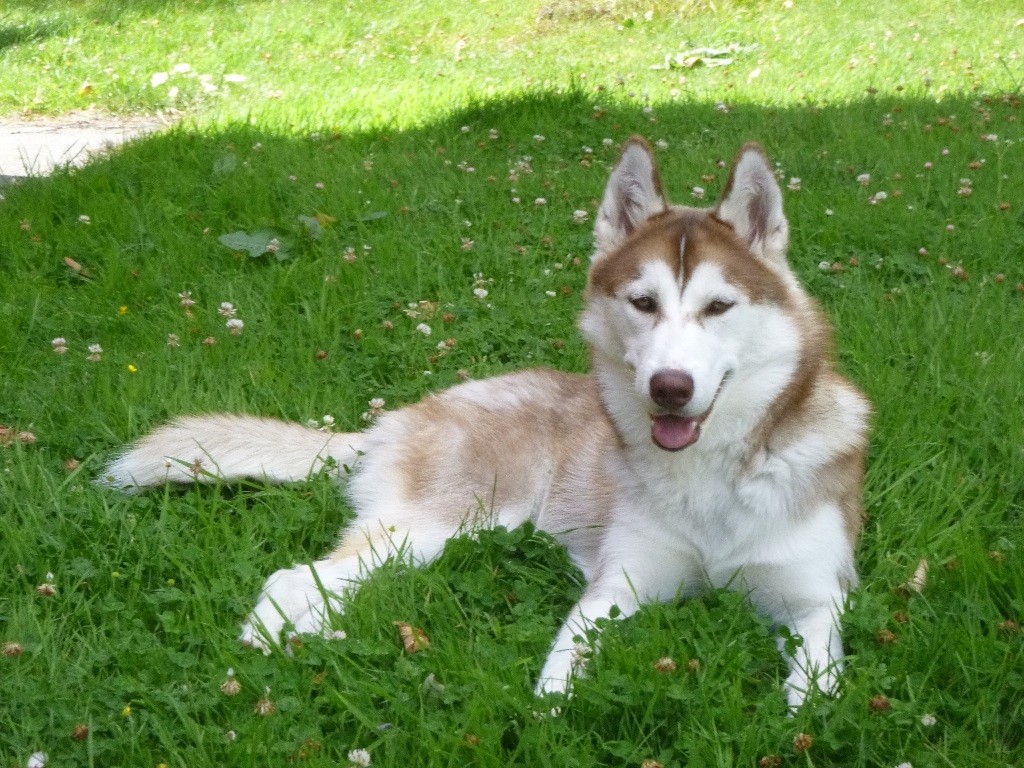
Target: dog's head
{"type": "Point", "coordinates": [691, 307]}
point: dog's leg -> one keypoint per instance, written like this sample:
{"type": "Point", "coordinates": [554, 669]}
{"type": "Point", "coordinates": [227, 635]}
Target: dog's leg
{"type": "Point", "coordinates": [568, 656]}
{"type": "Point", "coordinates": [817, 661]}
{"type": "Point", "coordinates": [807, 598]}
{"type": "Point", "coordinates": [639, 567]}
{"type": "Point", "coordinates": [304, 596]}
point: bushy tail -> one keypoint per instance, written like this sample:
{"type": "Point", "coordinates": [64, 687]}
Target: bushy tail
{"type": "Point", "coordinates": [226, 447]}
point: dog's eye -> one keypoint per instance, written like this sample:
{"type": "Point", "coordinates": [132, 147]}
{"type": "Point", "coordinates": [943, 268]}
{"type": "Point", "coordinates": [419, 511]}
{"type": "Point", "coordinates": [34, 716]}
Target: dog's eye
{"type": "Point", "coordinates": [644, 303]}
{"type": "Point", "coordinates": [718, 307]}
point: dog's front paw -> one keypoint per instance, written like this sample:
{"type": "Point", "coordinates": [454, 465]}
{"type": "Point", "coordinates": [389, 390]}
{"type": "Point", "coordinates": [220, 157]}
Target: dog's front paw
{"type": "Point", "coordinates": [552, 693]}
{"type": "Point", "coordinates": [290, 596]}
{"type": "Point", "coordinates": [801, 682]}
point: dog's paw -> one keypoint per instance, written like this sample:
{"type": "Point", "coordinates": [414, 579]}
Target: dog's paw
{"type": "Point", "coordinates": [287, 598]}
{"type": "Point", "coordinates": [801, 683]}
{"type": "Point", "coordinates": [299, 600]}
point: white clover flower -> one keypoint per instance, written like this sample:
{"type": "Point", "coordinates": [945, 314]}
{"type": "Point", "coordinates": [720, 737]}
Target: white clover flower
{"type": "Point", "coordinates": [864, 179]}
{"type": "Point", "coordinates": [607, 142]}
{"type": "Point", "coordinates": [227, 309]}
{"type": "Point", "coordinates": [173, 340]}
{"type": "Point", "coordinates": [235, 326]}
{"type": "Point", "coordinates": [540, 201]}
{"type": "Point", "coordinates": [83, 219]}
{"type": "Point", "coordinates": [580, 656]}
{"type": "Point", "coordinates": [157, 79]}
{"type": "Point", "coordinates": [928, 720]}
{"type": "Point", "coordinates": [95, 351]}
{"type": "Point", "coordinates": [794, 184]}
{"type": "Point", "coordinates": [697, 193]}
{"type": "Point", "coordinates": [579, 216]}
{"type": "Point", "coordinates": [464, 129]}
{"type": "Point", "coordinates": [824, 266]}
{"type": "Point", "coordinates": [60, 345]}
{"type": "Point", "coordinates": [377, 403]}
{"type": "Point", "coordinates": [492, 134]}
{"type": "Point", "coordinates": [359, 758]}
{"type": "Point", "coordinates": [538, 138]}
{"type": "Point", "coordinates": [480, 293]}
{"type": "Point", "coordinates": [186, 299]}
{"type": "Point", "coordinates": [36, 760]}
{"type": "Point", "coordinates": [424, 329]}
{"type": "Point", "coordinates": [661, 144]}
{"type": "Point", "coordinates": [273, 246]}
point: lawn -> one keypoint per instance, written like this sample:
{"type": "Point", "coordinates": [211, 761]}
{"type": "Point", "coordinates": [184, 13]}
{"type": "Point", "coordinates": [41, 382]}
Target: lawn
{"type": "Point", "coordinates": [421, 166]}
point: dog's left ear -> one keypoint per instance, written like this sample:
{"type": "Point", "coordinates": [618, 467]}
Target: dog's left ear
{"type": "Point", "coordinates": [752, 204]}
{"type": "Point", "coordinates": [633, 195]}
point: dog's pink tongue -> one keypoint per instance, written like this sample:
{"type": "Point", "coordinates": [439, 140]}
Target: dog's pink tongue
{"type": "Point", "coordinates": [673, 433]}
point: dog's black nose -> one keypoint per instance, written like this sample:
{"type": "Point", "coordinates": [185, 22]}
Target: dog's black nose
{"type": "Point", "coordinates": [671, 389]}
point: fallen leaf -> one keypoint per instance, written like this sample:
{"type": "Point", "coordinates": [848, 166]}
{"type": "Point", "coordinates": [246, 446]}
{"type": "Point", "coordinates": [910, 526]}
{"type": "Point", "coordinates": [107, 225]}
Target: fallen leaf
{"type": "Point", "coordinates": [313, 226]}
{"type": "Point", "coordinates": [256, 244]}
{"type": "Point", "coordinates": [413, 638]}
{"type": "Point", "coordinates": [918, 580]}
{"type": "Point", "coordinates": [225, 164]}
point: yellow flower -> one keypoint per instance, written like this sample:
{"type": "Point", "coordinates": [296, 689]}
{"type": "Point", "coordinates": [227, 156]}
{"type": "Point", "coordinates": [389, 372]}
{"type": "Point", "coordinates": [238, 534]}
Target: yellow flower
{"type": "Point", "coordinates": [127, 711]}
{"type": "Point", "coordinates": [132, 368]}
{"type": "Point", "coordinates": [123, 310]}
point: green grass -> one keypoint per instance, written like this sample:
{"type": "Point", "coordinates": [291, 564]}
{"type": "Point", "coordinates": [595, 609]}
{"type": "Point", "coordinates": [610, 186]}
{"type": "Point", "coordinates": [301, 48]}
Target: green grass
{"type": "Point", "coordinates": [150, 589]}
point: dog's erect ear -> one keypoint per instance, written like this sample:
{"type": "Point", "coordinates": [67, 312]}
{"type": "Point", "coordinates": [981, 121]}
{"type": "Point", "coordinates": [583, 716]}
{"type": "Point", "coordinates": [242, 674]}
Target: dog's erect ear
{"type": "Point", "coordinates": [632, 196]}
{"type": "Point", "coordinates": [752, 204]}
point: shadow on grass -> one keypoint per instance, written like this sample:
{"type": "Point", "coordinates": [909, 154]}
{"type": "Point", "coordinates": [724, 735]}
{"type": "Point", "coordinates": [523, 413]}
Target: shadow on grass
{"type": "Point", "coordinates": [12, 34]}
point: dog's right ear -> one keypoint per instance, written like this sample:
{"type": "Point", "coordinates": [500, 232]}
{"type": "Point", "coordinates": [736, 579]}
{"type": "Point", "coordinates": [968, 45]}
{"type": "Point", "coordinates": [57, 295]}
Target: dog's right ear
{"type": "Point", "coordinates": [633, 195]}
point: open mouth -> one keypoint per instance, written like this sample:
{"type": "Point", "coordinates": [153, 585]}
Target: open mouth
{"type": "Point", "coordinates": [674, 432]}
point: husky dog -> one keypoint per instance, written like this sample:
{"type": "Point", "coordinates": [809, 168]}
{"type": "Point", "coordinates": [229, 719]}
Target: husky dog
{"type": "Point", "coordinates": [714, 444]}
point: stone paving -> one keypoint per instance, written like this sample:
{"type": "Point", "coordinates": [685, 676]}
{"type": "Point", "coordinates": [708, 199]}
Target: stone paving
{"type": "Point", "coordinates": [35, 146]}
